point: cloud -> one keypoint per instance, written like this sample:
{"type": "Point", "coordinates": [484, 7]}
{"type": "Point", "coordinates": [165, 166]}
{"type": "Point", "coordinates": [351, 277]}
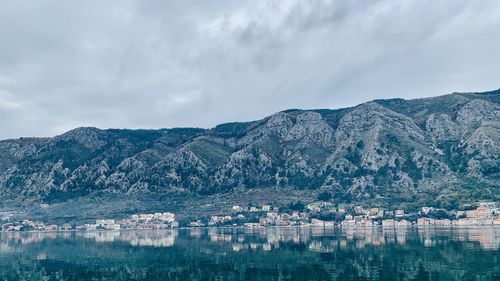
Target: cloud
{"type": "Point", "coordinates": [6, 102]}
{"type": "Point", "coordinates": [155, 64]}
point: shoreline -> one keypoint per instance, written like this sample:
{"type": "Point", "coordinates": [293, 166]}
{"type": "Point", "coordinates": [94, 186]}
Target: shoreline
{"type": "Point", "coordinates": [263, 227]}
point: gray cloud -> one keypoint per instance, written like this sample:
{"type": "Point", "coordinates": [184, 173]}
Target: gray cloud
{"type": "Point", "coordinates": [155, 64]}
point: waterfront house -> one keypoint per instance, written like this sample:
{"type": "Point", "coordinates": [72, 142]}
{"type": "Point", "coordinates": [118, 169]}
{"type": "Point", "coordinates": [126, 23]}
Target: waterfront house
{"type": "Point", "coordinates": [480, 212]}
{"type": "Point", "coordinates": [399, 213]}
{"type": "Point", "coordinates": [425, 221]}
{"type": "Point", "coordinates": [165, 217]}
{"type": "Point", "coordinates": [108, 224]}
{"type": "Point", "coordinates": [348, 222]}
{"type": "Point", "coordinates": [66, 227]}
{"type": "Point", "coordinates": [402, 223]}
{"type": "Point", "coordinates": [443, 222]}
{"type": "Point", "coordinates": [373, 212]}
{"type": "Point", "coordinates": [197, 223]}
{"type": "Point", "coordinates": [90, 226]}
{"type": "Point", "coordinates": [388, 223]}
{"type": "Point", "coordinates": [316, 222]}
{"type": "Point", "coordinates": [365, 222]}
{"type": "Point", "coordinates": [52, 227]}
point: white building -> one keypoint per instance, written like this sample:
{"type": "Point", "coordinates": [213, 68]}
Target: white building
{"type": "Point", "coordinates": [266, 208]}
{"type": "Point", "coordinates": [488, 205]}
{"type": "Point", "coordinates": [399, 213]}
{"type": "Point", "coordinates": [237, 208]}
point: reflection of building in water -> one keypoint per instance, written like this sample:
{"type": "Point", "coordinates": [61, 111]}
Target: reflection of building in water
{"type": "Point", "coordinates": [195, 232]}
{"type": "Point", "coordinates": [296, 235]}
{"type": "Point", "coordinates": [488, 237]}
{"type": "Point", "coordinates": [326, 240]}
{"type": "Point", "coordinates": [166, 241]}
{"type": "Point", "coordinates": [102, 236]}
{"type": "Point", "coordinates": [321, 246]}
{"type": "Point", "coordinates": [11, 242]}
{"type": "Point", "coordinates": [31, 237]}
{"type": "Point", "coordinates": [165, 238]}
{"type": "Point", "coordinates": [401, 234]}
{"type": "Point", "coordinates": [372, 236]}
{"type": "Point", "coordinates": [6, 247]}
{"type": "Point", "coordinates": [314, 238]}
{"type": "Point", "coordinates": [219, 235]}
{"type": "Point", "coordinates": [428, 242]}
{"type": "Point", "coordinates": [160, 238]}
{"type": "Point", "coordinates": [237, 247]}
{"type": "Point", "coordinates": [269, 239]}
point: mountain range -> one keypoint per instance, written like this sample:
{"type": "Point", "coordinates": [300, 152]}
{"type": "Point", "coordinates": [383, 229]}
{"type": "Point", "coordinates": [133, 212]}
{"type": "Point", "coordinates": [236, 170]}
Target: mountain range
{"type": "Point", "coordinates": [440, 151]}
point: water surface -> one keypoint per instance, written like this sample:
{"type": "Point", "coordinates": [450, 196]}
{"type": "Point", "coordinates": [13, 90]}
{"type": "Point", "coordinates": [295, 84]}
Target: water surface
{"type": "Point", "coordinates": [254, 254]}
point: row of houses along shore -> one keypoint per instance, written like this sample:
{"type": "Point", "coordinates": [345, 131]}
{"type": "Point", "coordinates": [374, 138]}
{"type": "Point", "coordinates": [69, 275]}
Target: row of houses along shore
{"type": "Point", "coordinates": [140, 221]}
{"type": "Point", "coordinates": [486, 213]}
{"type": "Point", "coordinates": [317, 214]}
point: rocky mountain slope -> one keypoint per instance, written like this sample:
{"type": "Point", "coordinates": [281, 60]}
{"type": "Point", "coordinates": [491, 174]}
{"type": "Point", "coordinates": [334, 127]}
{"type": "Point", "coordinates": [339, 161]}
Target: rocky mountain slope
{"type": "Point", "coordinates": [439, 150]}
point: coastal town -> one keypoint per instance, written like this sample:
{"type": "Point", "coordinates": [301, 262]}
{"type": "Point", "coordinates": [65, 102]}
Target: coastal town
{"type": "Point", "coordinates": [317, 214]}
{"type": "Point", "coordinates": [141, 221]}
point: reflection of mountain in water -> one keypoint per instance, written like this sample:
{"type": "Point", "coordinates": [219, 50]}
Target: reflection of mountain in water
{"type": "Point", "coordinates": [254, 254]}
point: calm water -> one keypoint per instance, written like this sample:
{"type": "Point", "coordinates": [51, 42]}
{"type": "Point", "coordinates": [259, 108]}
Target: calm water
{"type": "Point", "coordinates": [254, 254]}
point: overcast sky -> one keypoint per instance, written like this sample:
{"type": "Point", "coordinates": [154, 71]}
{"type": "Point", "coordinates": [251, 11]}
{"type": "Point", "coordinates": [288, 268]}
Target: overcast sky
{"type": "Point", "coordinates": [158, 64]}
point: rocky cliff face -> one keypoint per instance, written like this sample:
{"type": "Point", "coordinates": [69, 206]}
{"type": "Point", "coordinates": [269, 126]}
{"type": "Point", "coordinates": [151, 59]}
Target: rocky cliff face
{"type": "Point", "coordinates": [401, 150]}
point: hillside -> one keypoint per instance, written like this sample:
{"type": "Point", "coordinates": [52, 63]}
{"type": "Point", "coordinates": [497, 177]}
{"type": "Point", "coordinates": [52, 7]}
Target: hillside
{"type": "Point", "coordinates": [441, 151]}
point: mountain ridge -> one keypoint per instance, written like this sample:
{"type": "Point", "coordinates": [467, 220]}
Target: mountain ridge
{"type": "Point", "coordinates": [436, 151]}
